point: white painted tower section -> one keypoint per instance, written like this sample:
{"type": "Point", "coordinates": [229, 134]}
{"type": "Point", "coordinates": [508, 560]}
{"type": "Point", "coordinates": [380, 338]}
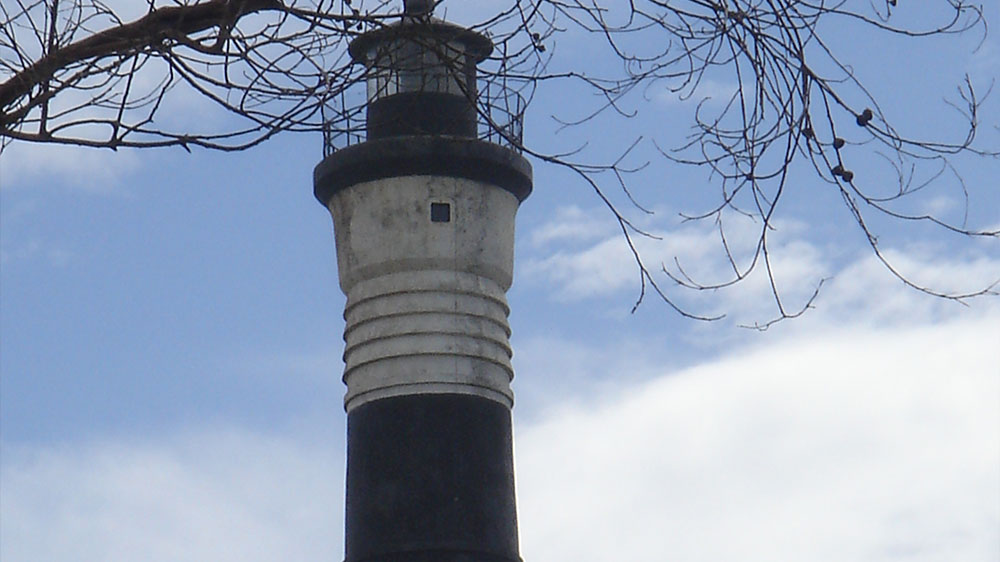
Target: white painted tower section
{"type": "Point", "coordinates": [426, 308]}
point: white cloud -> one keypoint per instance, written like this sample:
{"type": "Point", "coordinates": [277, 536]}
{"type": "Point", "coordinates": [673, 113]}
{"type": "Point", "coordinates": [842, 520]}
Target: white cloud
{"type": "Point", "coordinates": [940, 206]}
{"type": "Point", "coordinates": [846, 445]}
{"type": "Point", "coordinates": [217, 495]}
{"type": "Point", "coordinates": [853, 446]}
{"type": "Point", "coordinates": [598, 269]}
{"type": "Point", "coordinates": [606, 266]}
{"type": "Point", "coordinates": [599, 262]}
{"type": "Point", "coordinates": [861, 290]}
{"type": "Point", "coordinates": [25, 164]}
{"type": "Point", "coordinates": [573, 225]}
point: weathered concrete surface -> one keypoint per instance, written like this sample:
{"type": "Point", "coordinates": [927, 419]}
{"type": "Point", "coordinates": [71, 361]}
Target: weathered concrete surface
{"type": "Point", "coordinates": [426, 308]}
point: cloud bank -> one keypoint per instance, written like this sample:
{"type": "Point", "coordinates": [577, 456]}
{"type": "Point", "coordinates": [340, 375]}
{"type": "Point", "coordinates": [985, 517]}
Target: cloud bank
{"type": "Point", "coordinates": [860, 445]}
{"type": "Point", "coordinates": [853, 446]}
{"type": "Point", "coordinates": [225, 495]}
{"type": "Point", "coordinates": [571, 267]}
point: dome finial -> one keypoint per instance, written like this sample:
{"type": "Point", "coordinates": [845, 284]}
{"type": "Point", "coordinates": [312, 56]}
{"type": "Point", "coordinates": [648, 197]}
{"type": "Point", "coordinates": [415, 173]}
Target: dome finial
{"type": "Point", "coordinates": [418, 7]}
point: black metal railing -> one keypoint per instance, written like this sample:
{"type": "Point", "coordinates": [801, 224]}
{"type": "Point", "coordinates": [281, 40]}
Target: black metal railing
{"type": "Point", "coordinates": [500, 116]}
{"type": "Point", "coordinates": [344, 119]}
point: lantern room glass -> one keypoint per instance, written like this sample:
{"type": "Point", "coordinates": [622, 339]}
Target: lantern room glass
{"type": "Point", "coordinates": [409, 65]}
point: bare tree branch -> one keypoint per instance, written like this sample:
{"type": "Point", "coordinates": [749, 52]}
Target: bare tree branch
{"type": "Point", "coordinates": [75, 72]}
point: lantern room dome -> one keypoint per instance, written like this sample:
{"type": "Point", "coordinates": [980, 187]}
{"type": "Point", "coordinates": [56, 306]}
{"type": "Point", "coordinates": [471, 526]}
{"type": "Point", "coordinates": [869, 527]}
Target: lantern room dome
{"type": "Point", "coordinates": [422, 29]}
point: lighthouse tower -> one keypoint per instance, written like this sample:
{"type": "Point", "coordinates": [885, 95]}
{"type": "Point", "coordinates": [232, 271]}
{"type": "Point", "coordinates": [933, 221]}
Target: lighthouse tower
{"type": "Point", "coordinates": [423, 214]}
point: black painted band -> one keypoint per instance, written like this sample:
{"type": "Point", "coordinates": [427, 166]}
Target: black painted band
{"type": "Point", "coordinates": [422, 156]}
{"type": "Point", "coordinates": [440, 556]}
{"type": "Point", "coordinates": [423, 114]}
{"type": "Point", "coordinates": [430, 478]}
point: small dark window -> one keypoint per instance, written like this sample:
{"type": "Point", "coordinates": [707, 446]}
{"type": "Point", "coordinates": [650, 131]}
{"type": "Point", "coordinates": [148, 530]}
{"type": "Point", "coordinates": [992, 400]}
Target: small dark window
{"type": "Point", "coordinates": [440, 212]}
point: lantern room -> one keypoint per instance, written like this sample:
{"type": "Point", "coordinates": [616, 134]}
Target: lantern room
{"type": "Point", "coordinates": [421, 75]}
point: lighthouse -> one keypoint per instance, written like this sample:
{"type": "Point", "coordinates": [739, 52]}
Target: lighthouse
{"type": "Point", "coordinates": [423, 211]}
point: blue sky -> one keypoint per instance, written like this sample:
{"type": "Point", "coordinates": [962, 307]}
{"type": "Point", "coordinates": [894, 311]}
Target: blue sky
{"type": "Point", "coordinates": [170, 340]}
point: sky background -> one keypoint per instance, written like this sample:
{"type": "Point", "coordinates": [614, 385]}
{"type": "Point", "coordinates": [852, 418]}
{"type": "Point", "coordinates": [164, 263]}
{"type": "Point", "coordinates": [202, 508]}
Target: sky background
{"type": "Point", "coordinates": [170, 341]}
